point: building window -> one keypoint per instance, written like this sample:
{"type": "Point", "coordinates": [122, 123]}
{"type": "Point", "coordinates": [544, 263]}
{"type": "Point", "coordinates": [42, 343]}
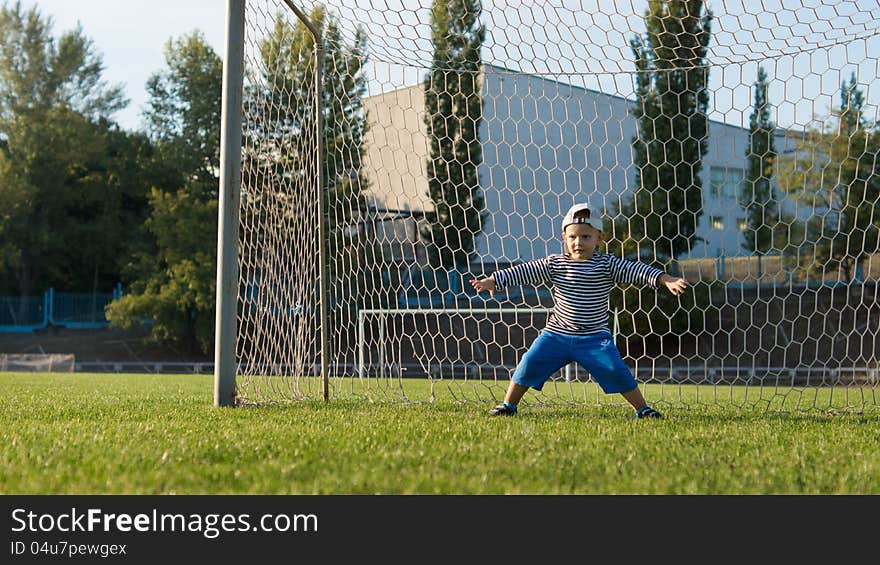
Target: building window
{"type": "Point", "coordinates": [742, 224]}
{"type": "Point", "coordinates": [725, 182]}
{"type": "Point", "coordinates": [717, 222]}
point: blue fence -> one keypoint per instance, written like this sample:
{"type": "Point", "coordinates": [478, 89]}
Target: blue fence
{"type": "Point", "coordinates": [63, 309]}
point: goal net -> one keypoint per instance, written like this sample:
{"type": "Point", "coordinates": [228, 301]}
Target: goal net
{"type": "Point", "coordinates": [393, 150]}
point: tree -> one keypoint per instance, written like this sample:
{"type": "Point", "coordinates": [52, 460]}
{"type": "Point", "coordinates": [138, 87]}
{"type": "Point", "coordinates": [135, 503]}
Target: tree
{"type": "Point", "coordinates": [660, 221]}
{"type": "Point", "coordinates": [453, 113]}
{"type": "Point", "coordinates": [95, 222]}
{"type": "Point", "coordinates": [40, 73]}
{"type": "Point", "coordinates": [68, 195]}
{"type": "Point", "coordinates": [173, 280]}
{"type": "Point", "coordinates": [280, 138]}
{"type": "Point", "coordinates": [758, 198]}
{"type": "Point", "coordinates": [178, 293]}
{"type": "Point", "coordinates": [852, 101]}
{"type": "Point", "coordinates": [834, 169]}
{"type": "Point", "coordinates": [285, 101]}
{"type": "Point", "coordinates": [183, 113]}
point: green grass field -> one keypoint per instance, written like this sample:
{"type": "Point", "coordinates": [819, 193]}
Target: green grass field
{"type": "Point", "coordinates": [160, 434]}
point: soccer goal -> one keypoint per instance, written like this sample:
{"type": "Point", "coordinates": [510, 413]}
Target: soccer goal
{"type": "Point", "coordinates": [376, 156]}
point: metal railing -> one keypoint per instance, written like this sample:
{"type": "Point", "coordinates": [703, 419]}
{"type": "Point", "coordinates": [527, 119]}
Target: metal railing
{"type": "Point", "coordinates": [22, 314]}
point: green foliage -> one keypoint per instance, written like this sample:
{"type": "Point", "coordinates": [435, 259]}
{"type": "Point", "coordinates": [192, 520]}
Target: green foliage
{"type": "Point", "coordinates": [287, 94]}
{"type": "Point", "coordinates": [453, 113]}
{"type": "Point", "coordinates": [178, 297]}
{"type": "Point", "coordinates": [173, 279]}
{"type": "Point", "coordinates": [758, 198]}
{"type": "Point", "coordinates": [183, 113]}
{"type": "Point", "coordinates": [70, 180]}
{"type": "Point", "coordinates": [660, 220]}
{"type": "Point", "coordinates": [39, 73]}
{"type": "Point", "coordinates": [648, 314]}
{"type": "Point", "coordinates": [284, 143]}
{"type": "Point", "coordinates": [835, 170]}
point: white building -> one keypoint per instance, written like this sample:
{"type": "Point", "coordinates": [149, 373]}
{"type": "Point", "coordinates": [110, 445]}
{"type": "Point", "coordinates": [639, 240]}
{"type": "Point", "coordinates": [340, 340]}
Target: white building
{"type": "Point", "coordinates": [546, 145]}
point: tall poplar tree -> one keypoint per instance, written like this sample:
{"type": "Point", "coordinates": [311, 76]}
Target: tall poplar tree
{"type": "Point", "coordinates": [453, 113]}
{"type": "Point", "coordinates": [758, 198]}
{"type": "Point", "coordinates": [659, 222]}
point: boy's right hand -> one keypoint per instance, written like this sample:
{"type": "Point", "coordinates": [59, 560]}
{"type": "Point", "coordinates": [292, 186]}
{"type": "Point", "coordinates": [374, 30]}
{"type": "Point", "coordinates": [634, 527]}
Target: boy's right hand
{"type": "Point", "coordinates": [484, 284]}
{"type": "Point", "coordinates": [675, 285]}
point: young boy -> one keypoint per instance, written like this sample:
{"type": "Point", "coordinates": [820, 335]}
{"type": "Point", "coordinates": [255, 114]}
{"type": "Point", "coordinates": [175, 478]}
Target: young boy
{"type": "Point", "coordinates": [577, 329]}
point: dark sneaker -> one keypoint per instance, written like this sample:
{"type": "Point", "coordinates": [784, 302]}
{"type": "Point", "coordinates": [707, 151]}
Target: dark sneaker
{"type": "Point", "coordinates": [648, 412]}
{"type": "Point", "coordinates": [502, 410]}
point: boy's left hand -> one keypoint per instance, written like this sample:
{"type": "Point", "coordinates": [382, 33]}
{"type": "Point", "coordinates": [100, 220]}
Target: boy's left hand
{"type": "Point", "coordinates": [487, 283]}
{"type": "Point", "coordinates": [675, 285]}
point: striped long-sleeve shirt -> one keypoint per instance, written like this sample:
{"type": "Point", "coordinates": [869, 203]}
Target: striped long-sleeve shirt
{"type": "Point", "coordinates": [580, 289]}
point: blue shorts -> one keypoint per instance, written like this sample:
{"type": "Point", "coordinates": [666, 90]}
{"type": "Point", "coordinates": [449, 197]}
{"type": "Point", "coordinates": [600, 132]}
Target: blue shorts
{"type": "Point", "coordinates": [596, 353]}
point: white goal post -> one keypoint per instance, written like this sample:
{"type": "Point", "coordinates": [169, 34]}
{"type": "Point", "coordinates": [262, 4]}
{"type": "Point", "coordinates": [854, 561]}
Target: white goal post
{"type": "Point", "coordinates": [378, 154]}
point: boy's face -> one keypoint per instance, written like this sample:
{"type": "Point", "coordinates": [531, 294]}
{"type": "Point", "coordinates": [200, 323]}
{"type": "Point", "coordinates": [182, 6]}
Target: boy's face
{"type": "Point", "coordinates": [581, 240]}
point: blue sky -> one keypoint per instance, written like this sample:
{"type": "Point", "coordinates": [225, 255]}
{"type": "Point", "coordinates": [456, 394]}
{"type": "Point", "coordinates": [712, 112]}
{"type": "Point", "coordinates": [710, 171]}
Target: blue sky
{"type": "Point", "coordinates": [131, 35]}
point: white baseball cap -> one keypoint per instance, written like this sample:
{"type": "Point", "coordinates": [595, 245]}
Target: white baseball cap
{"type": "Point", "coordinates": [593, 217]}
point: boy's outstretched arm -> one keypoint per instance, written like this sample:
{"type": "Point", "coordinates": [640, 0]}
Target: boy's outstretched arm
{"type": "Point", "coordinates": [675, 285]}
{"type": "Point", "coordinates": [487, 283]}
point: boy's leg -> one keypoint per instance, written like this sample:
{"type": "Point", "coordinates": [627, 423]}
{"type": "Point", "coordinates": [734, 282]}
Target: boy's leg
{"type": "Point", "coordinates": [599, 355]}
{"type": "Point", "coordinates": [640, 405]}
{"type": "Point", "coordinates": [514, 394]}
{"type": "Point", "coordinates": [635, 398]}
{"type": "Point", "coordinates": [547, 354]}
